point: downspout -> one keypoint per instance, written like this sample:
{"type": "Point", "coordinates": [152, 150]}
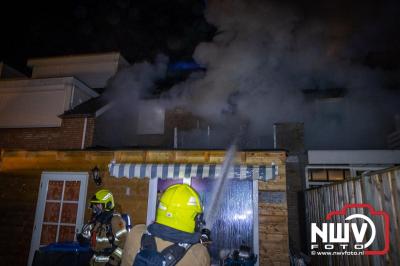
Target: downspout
{"type": "Point", "coordinates": [84, 133]}
{"type": "Point", "coordinates": [175, 137]}
{"type": "Point", "coordinates": [208, 136]}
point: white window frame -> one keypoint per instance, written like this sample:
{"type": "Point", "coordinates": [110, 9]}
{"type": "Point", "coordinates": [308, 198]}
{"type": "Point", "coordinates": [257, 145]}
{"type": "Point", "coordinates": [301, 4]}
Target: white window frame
{"type": "Point", "coordinates": [152, 205]}
{"type": "Point", "coordinates": [40, 205]}
{"type": "Point", "coordinates": [352, 168]}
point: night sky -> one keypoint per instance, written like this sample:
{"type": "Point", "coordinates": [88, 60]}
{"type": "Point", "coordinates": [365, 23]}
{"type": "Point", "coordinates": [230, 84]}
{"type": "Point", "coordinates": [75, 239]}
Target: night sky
{"type": "Point", "coordinates": [259, 55]}
{"type": "Point", "coordinates": [141, 29]}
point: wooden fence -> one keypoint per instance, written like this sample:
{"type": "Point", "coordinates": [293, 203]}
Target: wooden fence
{"type": "Point", "coordinates": [381, 190]}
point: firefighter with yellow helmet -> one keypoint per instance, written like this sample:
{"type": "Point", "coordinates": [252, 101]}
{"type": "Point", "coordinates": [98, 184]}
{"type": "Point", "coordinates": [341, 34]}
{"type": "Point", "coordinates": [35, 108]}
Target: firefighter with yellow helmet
{"type": "Point", "coordinates": [106, 231]}
{"type": "Point", "coordinates": [175, 237]}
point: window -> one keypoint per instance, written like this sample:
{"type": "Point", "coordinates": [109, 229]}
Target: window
{"type": "Point", "coordinates": [321, 175]}
{"type": "Point", "coordinates": [233, 225]}
{"type": "Point", "coordinates": [335, 175]}
{"type": "Point", "coordinates": [151, 118]}
{"type": "Point", "coordinates": [318, 175]}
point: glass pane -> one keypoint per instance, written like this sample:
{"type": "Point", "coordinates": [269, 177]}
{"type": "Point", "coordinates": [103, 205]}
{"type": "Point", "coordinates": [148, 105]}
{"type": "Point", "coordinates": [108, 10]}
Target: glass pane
{"type": "Point", "coordinates": [51, 212]}
{"type": "Point", "coordinates": [335, 174]}
{"type": "Point", "coordinates": [72, 190]}
{"type": "Point", "coordinates": [68, 214]}
{"type": "Point", "coordinates": [318, 175]}
{"type": "Point", "coordinates": [49, 234]}
{"type": "Point", "coordinates": [163, 184]}
{"type": "Point", "coordinates": [54, 191]}
{"type": "Point", "coordinates": [67, 233]}
{"type": "Point", "coordinates": [233, 223]}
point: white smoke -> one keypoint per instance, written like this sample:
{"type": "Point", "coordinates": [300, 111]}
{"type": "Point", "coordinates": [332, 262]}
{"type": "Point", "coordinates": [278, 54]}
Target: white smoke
{"type": "Point", "coordinates": [126, 90]}
{"type": "Point", "coordinates": [262, 58]}
{"type": "Point", "coordinates": [137, 81]}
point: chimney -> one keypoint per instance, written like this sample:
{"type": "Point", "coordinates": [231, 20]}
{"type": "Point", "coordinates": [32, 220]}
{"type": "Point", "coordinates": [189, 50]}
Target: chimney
{"type": "Point", "coordinates": [289, 136]}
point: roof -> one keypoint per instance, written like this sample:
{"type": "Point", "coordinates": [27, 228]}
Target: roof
{"type": "Point", "coordinates": [26, 83]}
{"type": "Point", "coordinates": [8, 72]}
{"type": "Point", "coordinates": [77, 58]}
{"type": "Point", "coordinates": [93, 69]}
{"type": "Point", "coordinates": [91, 108]}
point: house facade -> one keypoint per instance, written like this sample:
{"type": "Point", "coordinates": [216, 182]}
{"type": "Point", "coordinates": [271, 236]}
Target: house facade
{"type": "Point", "coordinates": [37, 111]}
{"type": "Point", "coordinates": [53, 134]}
{"type": "Point", "coordinates": [330, 166]}
{"type": "Point", "coordinates": [51, 140]}
{"type": "Point", "coordinates": [47, 194]}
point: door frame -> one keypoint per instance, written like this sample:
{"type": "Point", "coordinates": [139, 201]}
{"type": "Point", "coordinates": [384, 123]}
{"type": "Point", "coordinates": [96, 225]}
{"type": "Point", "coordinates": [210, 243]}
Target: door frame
{"type": "Point", "coordinates": [40, 204]}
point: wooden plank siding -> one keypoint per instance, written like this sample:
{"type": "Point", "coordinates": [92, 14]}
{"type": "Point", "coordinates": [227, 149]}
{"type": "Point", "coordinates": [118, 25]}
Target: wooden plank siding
{"type": "Point", "coordinates": [273, 220]}
{"type": "Point", "coordinates": [20, 173]}
{"type": "Point", "coordinates": [380, 189]}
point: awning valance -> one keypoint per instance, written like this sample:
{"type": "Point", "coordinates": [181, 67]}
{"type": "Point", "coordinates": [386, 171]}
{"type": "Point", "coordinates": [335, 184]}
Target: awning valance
{"type": "Point", "coordinates": [129, 170]}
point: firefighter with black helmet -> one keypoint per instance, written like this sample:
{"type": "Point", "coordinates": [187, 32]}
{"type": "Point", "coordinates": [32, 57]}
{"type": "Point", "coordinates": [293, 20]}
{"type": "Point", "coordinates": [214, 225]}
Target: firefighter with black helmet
{"type": "Point", "coordinates": [106, 231]}
{"type": "Point", "coordinates": [175, 237]}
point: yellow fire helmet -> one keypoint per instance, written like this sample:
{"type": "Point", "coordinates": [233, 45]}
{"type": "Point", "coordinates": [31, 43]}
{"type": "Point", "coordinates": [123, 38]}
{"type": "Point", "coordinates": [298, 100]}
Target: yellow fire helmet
{"type": "Point", "coordinates": [105, 197]}
{"type": "Point", "coordinates": [179, 208]}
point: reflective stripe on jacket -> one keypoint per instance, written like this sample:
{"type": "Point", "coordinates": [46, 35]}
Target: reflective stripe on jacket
{"type": "Point", "coordinates": [108, 240]}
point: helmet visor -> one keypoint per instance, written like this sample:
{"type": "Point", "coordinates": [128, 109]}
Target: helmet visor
{"type": "Point", "coordinates": [97, 208]}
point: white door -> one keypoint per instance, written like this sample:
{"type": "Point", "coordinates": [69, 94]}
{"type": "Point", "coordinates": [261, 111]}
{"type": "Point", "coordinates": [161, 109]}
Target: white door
{"type": "Point", "coordinates": [60, 208]}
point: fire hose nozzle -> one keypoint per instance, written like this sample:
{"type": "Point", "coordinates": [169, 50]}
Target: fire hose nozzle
{"type": "Point", "coordinates": [205, 236]}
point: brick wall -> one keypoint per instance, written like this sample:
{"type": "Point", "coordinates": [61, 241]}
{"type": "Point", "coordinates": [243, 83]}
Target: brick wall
{"type": "Point", "coordinates": [295, 204]}
{"type": "Point", "coordinates": [29, 138]}
{"type": "Point", "coordinates": [21, 172]}
{"type": "Point", "coordinates": [290, 136]}
{"type": "Point", "coordinates": [68, 136]}
{"type": "Point", "coordinates": [17, 208]}
{"type": "Point", "coordinates": [90, 127]}
{"type": "Point", "coordinates": [130, 195]}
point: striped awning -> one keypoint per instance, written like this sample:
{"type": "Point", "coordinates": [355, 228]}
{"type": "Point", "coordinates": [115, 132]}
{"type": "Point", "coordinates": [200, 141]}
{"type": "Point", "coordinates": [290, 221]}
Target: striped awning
{"type": "Point", "coordinates": [263, 172]}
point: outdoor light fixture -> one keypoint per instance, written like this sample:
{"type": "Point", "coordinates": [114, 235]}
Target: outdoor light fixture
{"type": "Point", "coordinates": [96, 175]}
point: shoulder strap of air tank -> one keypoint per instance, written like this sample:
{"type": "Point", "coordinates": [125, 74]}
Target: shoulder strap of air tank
{"type": "Point", "coordinates": [148, 242]}
{"type": "Point", "coordinates": [174, 253]}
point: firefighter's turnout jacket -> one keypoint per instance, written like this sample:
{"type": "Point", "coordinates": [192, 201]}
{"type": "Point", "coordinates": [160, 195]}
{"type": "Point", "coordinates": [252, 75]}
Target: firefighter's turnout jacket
{"type": "Point", "coordinates": [107, 234]}
{"type": "Point", "coordinates": [197, 255]}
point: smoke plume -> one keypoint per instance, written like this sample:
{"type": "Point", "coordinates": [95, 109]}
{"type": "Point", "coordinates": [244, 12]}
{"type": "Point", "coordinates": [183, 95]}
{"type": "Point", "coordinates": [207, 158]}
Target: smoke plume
{"type": "Point", "coordinates": [263, 59]}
